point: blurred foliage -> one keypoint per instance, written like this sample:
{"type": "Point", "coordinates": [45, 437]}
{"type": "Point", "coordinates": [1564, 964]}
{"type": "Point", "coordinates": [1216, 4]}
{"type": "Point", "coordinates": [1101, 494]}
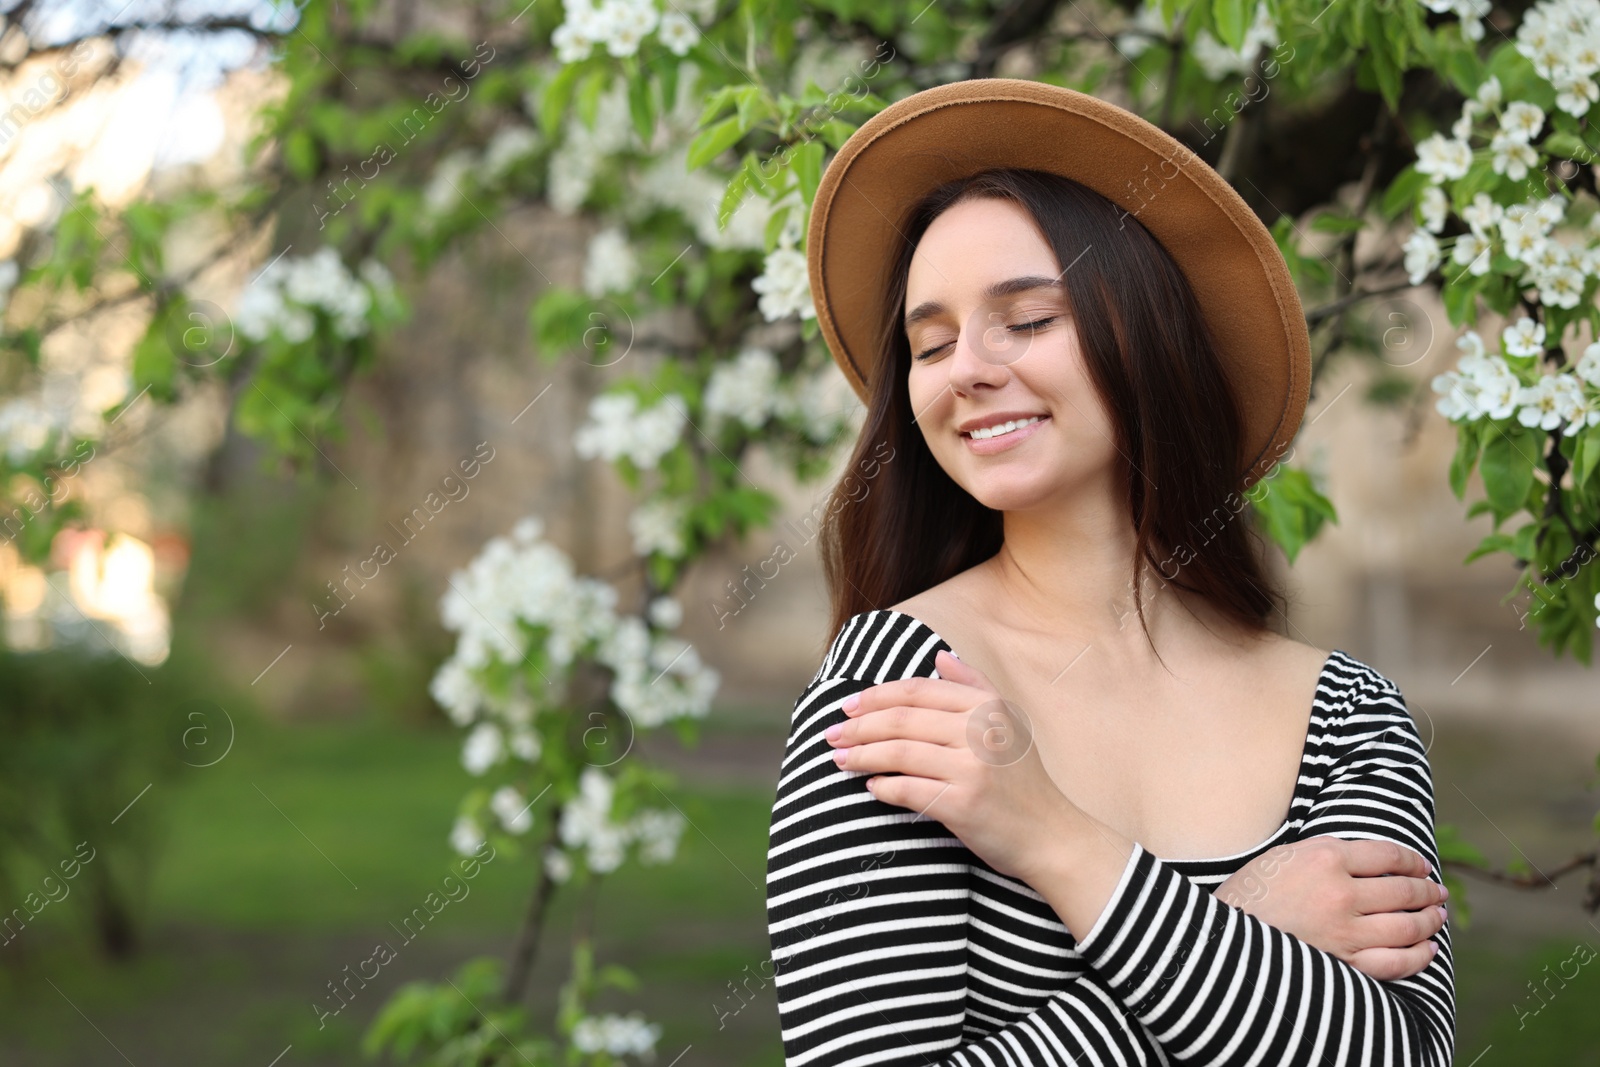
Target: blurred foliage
{"type": "Point", "coordinates": [90, 742]}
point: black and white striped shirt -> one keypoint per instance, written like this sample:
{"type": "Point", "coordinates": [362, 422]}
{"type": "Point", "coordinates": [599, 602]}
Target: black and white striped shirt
{"type": "Point", "coordinates": [893, 943]}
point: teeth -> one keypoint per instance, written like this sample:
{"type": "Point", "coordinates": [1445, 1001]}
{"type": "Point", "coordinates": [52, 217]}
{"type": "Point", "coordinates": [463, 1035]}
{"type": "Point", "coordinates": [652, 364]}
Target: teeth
{"type": "Point", "coordinates": [1002, 428]}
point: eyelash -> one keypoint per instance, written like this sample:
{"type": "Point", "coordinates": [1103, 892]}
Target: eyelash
{"type": "Point", "coordinates": [1035, 324]}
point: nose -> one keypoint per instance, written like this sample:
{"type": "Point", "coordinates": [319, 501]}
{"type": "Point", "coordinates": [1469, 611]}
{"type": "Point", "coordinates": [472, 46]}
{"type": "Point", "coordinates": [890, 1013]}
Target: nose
{"type": "Point", "coordinates": [984, 352]}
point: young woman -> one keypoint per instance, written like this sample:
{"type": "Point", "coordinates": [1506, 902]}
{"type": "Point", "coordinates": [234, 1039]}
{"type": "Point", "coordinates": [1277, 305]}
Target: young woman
{"type": "Point", "coordinates": [1132, 823]}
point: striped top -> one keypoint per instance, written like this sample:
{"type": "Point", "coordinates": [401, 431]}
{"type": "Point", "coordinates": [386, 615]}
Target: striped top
{"type": "Point", "coordinates": [893, 943]}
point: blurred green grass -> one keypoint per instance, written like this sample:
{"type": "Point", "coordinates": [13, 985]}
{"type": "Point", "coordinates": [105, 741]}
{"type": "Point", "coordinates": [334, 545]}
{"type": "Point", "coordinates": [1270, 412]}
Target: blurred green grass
{"type": "Point", "coordinates": [249, 912]}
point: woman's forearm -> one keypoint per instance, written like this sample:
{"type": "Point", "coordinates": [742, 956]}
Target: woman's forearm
{"type": "Point", "coordinates": [1081, 863]}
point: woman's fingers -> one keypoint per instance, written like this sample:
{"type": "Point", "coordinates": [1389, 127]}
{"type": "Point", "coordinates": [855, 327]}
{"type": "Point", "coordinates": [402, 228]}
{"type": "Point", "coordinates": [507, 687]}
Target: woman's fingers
{"type": "Point", "coordinates": [937, 693]}
{"type": "Point", "coordinates": [918, 758]}
{"type": "Point", "coordinates": [1370, 858]}
{"type": "Point", "coordinates": [1395, 893]}
{"type": "Point", "coordinates": [1398, 929]}
{"type": "Point", "coordinates": [1388, 964]}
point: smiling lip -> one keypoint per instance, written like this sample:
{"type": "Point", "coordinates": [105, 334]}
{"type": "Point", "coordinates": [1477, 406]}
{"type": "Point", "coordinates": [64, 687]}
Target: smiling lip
{"type": "Point", "coordinates": [991, 445]}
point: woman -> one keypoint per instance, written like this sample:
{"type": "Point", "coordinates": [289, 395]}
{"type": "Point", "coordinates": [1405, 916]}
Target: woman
{"type": "Point", "coordinates": [1085, 860]}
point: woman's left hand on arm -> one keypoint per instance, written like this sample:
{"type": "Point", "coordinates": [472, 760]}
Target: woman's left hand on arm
{"type": "Point", "coordinates": [953, 749]}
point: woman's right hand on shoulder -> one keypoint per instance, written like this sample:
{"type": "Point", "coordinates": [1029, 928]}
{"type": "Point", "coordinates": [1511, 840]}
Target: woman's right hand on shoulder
{"type": "Point", "coordinates": [1330, 893]}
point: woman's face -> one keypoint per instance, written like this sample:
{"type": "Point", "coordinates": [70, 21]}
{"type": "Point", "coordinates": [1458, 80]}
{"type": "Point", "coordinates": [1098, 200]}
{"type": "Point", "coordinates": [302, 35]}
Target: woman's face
{"type": "Point", "coordinates": [974, 357]}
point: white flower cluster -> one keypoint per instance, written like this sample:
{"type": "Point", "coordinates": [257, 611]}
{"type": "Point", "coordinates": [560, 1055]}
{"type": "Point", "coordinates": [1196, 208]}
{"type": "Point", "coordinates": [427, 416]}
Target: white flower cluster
{"type": "Point", "coordinates": [1470, 12]}
{"type": "Point", "coordinates": [610, 265]}
{"type": "Point", "coordinates": [465, 165]}
{"type": "Point", "coordinates": [617, 427]}
{"type": "Point", "coordinates": [657, 526]}
{"type": "Point", "coordinates": [514, 810]}
{"type": "Point", "coordinates": [524, 581]}
{"type": "Point", "coordinates": [586, 823]}
{"type": "Point", "coordinates": [282, 295]}
{"type": "Point", "coordinates": [1524, 230]}
{"type": "Point", "coordinates": [574, 163]}
{"type": "Point", "coordinates": [697, 195]}
{"type": "Point", "coordinates": [785, 286]}
{"type": "Point", "coordinates": [616, 1034]}
{"type": "Point", "coordinates": [621, 25]}
{"type": "Point", "coordinates": [1484, 386]}
{"type": "Point", "coordinates": [1561, 38]}
{"type": "Point", "coordinates": [748, 389]}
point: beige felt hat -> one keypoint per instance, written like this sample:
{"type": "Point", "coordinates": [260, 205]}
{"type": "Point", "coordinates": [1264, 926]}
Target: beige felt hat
{"type": "Point", "coordinates": [952, 131]}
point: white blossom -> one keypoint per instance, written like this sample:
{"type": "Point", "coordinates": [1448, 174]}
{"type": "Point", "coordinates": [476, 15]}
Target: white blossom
{"type": "Point", "coordinates": [657, 526]}
{"type": "Point", "coordinates": [1525, 337]}
{"type": "Point", "coordinates": [465, 836]}
{"type": "Point", "coordinates": [743, 388]}
{"type": "Point", "coordinates": [617, 428]}
{"type": "Point", "coordinates": [1540, 404]}
{"type": "Point", "coordinates": [678, 33]}
{"type": "Point", "coordinates": [281, 295]}
{"type": "Point", "coordinates": [657, 831]}
{"type": "Point", "coordinates": [785, 285]}
{"type": "Point", "coordinates": [1472, 252]}
{"type": "Point", "coordinates": [1421, 255]}
{"type": "Point", "coordinates": [1511, 155]}
{"type": "Point", "coordinates": [509, 144]}
{"type": "Point", "coordinates": [1522, 120]}
{"type": "Point", "coordinates": [1434, 206]}
{"type": "Point", "coordinates": [1440, 157]}
{"type": "Point", "coordinates": [1588, 367]}
{"type": "Point", "coordinates": [444, 187]}
{"type": "Point", "coordinates": [456, 691]}
{"type": "Point", "coordinates": [616, 1034]}
{"type": "Point", "coordinates": [1483, 214]}
{"type": "Point", "coordinates": [482, 748]}
{"type": "Point", "coordinates": [1489, 93]}
{"type": "Point", "coordinates": [665, 612]}
{"type": "Point", "coordinates": [512, 809]}
{"type": "Point", "coordinates": [609, 265]}
{"type": "Point", "coordinates": [557, 864]}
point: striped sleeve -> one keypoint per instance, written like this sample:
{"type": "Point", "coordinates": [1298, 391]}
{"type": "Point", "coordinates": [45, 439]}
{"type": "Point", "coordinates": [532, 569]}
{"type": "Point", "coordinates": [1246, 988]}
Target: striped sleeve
{"type": "Point", "coordinates": [1215, 985]}
{"type": "Point", "coordinates": [866, 902]}
{"type": "Point", "coordinates": [868, 909]}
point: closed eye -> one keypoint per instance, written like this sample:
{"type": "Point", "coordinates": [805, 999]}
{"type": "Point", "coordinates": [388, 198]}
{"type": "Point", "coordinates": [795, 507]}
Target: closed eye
{"type": "Point", "coordinates": [1034, 325]}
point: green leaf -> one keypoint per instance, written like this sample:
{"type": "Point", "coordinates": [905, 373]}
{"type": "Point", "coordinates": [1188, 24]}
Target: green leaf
{"type": "Point", "coordinates": [1507, 468]}
{"type": "Point", "coordinates": [640, 108]}
{"type": "Point", "coordinates": [1386, 70]}
{"type": "Point", "coordinates": [1291, 508]}
{"type": "Point", "coordinates": [716, 104]}
{"type": "Point", "coordinates": [1588, 455]}
{"type": "Point", "coordinates": [835, 133]}
{"type": "Point", "coordinates": [807, 160]}
{"type": "Point", "coordinates": [1495, 542]}
{"type": "Point", "coordinates": [553, 101]}
{"type": "Point", "coordinates": [1403, 191]}
{"type": "Point", "coordinates": [1567, 146]}
{"type": "Point", "coordinates": [1469, 442]}
{"type": "Point", "coordinates": [1332, 222]}
{"type": "Point", "coordinates": [1232, 18]}
{"type": "Point", "coordinates": [300, 152]}
{"type": "Point", "coordinates": [713, 142]}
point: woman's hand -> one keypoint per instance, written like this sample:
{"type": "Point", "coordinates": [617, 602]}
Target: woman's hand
{"type": "Point", "coordinates": [964, 757]}
{"type": "Point", "coordinates": [1327, 892]}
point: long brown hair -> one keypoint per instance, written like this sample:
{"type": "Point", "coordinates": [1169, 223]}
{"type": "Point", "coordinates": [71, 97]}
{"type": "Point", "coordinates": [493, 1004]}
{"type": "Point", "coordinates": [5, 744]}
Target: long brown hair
{"type": "Point", "coordinates": [1155, 365]}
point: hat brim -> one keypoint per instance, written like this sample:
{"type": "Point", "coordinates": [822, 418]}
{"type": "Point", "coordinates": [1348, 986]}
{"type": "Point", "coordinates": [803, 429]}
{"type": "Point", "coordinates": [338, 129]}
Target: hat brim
{"type": "Point", "coordinates": [1239, 277]}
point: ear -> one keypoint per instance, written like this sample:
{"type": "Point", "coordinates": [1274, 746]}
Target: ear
{"type": "Point", "coordinates": [955, 670]}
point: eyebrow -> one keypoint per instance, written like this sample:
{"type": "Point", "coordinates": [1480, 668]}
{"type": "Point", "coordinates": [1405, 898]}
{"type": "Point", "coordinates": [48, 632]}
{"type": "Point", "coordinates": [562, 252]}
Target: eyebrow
{"type": "Point", "coordinates": [1011, 286]}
